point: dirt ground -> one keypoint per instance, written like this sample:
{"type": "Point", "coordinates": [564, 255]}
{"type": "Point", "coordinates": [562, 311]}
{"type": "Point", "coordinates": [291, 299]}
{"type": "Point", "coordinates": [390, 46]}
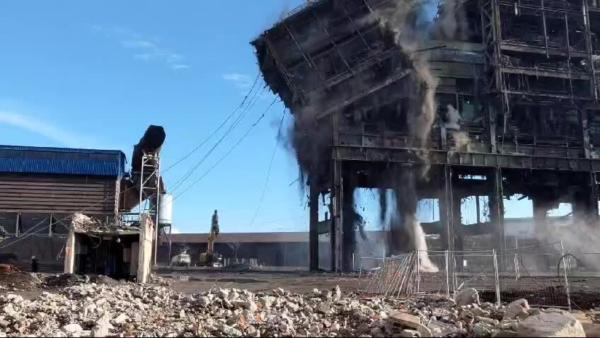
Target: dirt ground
{"type": "Point", "coordinates": [541, 291]}
{"type": "Point", "coordinates": [300, 282]}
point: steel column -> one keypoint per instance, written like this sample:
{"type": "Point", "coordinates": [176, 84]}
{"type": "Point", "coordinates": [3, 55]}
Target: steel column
{"type": "Point", "coordinates": [314, 224]}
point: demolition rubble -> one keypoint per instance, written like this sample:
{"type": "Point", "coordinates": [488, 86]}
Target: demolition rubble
{"type": "Point", "coordinates": [97, 309]}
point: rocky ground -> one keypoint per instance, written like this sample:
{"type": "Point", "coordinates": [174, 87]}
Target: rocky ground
{"type": "Point", "coordinates": [79, 306]}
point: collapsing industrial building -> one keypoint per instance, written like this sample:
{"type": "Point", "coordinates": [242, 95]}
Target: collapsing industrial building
{"type": "Point", "coordinates": [469, 99]}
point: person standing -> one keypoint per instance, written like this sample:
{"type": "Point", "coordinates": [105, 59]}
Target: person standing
{"type": "Point", "coordinates": [34, 264]}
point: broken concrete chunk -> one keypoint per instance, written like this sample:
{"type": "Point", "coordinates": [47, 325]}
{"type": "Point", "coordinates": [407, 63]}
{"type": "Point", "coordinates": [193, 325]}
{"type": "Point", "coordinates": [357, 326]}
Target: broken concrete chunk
{"type": "Point", "coordinates": [102, 328]}
{"type": "Point", "coordinates": [551, 324]}
{"type": "Point", "coordinates": [250, 305]}
{"type": "Point", "coordinates": [337, 293]}
{"type": "Point", "coordinates": [409, 334]}
{"type": "Point", "coordinates": [467, 297]}
{"type": "Point", "coordinates": [121, 319]}
{"type": "Point", "coordinates": [517, 309]}
{"type": "Point", "coordinates": [230, 331]}
{"type": "Point", "coordinates": [410, 321]}
{"type": "Point", "coordinates": [11, 312]}
{"type": "Point", "coordinates": [72, 329]}
{"type": "Point", "coordinates": [252, 331]}
{"type": "Point", "coordinates": [324, 308]}
{"type": "Point", "coordinates": [505, 334]}
{"type": "Point", "coordinates": [204, 301]}
{"type": "Point", "coordinates": [441, 329]}
{"type": "Point", "coordinates": [405, 319]}
{"type": "Point", "coordinates": [479, 312]}
{"type": "Point", "coordinates": [591, 330]}
{"type": "Point", "coordinates": [223, 293]}
{"type": "Point", "coordinates": [483, 329]}
{"type": "Point", "coordinates": [489, 321]}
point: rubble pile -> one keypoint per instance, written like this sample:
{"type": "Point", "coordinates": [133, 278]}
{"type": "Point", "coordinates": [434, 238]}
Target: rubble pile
{"type": "Point", "coordinates": [19, 281]}
{"type": "Point", "coordinates": [127, 309]}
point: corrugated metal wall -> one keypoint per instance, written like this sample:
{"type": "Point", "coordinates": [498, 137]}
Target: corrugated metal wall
{"type": "Point", "coordinates": [58, 194]}
{"type": "Point", "coordinates": [61, 161]}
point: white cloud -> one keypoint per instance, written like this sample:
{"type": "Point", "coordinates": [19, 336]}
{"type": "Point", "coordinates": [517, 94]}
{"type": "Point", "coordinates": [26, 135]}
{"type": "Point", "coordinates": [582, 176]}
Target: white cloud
{"type": "Point", "coordinates": [138, 44]}
{"type": "Point", "coordinates": [175, 230]}
{"type": "Point", "coordinates": [43, 128]}
{"type": "Point", "coordinates": [241, 81]}
{"type": "Point", "coordinates": [180, 66]}
{"type": "Point", "coordinates": [144, 49]}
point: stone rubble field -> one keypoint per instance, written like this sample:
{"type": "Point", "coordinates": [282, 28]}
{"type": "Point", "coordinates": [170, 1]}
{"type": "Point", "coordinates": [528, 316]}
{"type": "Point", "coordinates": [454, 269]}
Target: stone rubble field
{"type": "Point", "coordinates": [125, 309]}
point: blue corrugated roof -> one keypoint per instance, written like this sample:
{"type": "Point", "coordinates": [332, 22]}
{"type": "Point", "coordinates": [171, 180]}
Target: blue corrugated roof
{"type": "Point", "coordinates": [68, 161]}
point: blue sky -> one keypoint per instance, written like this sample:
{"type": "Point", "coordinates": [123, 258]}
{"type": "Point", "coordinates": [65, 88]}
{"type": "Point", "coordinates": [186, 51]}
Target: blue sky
{"type": "Point", "coordinates": [95, 74]}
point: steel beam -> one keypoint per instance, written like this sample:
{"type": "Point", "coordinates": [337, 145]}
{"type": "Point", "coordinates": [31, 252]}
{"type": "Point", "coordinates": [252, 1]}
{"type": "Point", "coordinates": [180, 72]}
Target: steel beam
{"type": "Point", "coordinates": [446, 209]}
{"type": "Point", "coordinates": [440, 157]}
{"type": "Point", "coordinates": [314, 225]}
{"type": "Point", "coordinates": [337, 235]}
{"type": "Point", "coordinates": [497, 210]}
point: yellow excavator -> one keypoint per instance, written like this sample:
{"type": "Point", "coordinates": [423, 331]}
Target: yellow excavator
{"type": "Point", "coordinates": [209, 258]}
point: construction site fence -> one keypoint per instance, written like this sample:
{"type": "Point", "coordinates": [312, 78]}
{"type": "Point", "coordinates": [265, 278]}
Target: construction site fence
{"type": "Point", "coordinates": [541, 275]}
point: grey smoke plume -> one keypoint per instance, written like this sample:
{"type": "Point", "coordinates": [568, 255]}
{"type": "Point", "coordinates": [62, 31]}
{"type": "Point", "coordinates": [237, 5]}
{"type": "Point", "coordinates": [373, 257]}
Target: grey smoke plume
{"type": "Point", "coordinates": [461, 139]}
{"type": "Point", "coordinates": [309, 139]}
{"type": "Point", "coordinates": [404, 19]}
{"type": "Point", "coordinates": [578, 238]}
{"type": "Point", "coordinates": [452, 21]}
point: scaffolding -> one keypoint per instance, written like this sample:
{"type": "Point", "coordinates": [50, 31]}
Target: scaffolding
{"type": "Point", "coordinates": [149, 197]}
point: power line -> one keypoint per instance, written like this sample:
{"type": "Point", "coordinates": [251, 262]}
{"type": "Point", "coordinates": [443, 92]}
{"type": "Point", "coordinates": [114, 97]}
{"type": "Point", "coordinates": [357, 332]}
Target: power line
{"type": "Point", "coordinates": [264, 190]}
{"type": "Point", "coordinates": [33, 230]}
{"type": "Point", "coordinates": [228, 152]}
{"type": "Point", "coordinates": [234, 124]}
{"type": "Point", "coordinates": [222, 157]}
{"type": "Point", "coordinates": [36, 227]}
{"type": "Point", "coordinates": [195, 149]}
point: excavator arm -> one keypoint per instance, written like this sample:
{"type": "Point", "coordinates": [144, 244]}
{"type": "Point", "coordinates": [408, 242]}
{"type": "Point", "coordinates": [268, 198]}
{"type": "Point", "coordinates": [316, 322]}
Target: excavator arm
{"type": "Point", "coordinates": [207, 257]}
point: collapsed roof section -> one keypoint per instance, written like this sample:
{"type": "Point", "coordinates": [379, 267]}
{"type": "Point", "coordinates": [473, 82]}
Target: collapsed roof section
{"type": "Point", "coordinates": [329, 55]}
{"type": "Point", "coordinates": [315, 56]}
{"type": "Point", "coordinates": [81, 223]}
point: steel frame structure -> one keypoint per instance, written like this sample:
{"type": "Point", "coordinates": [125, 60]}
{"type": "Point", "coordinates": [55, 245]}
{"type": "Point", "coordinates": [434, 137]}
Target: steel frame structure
{"type": "Point", "coordinates": [294, 56]}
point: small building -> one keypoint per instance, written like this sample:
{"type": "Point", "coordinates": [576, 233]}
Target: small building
{"type": "Point", "coordinates": [115, 248]}
{"type": "Point", "coordinates": [40, 188]}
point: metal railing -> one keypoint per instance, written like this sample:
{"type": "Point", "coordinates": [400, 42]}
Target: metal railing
{"type": "Point", "coordinates": [512, 275]}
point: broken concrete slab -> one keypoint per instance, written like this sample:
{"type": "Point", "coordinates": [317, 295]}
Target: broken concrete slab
{"type": "Point", "coordinates": [410, 321]}
{"type": "Point", "coordinates": [551, 324]}
{"type": "Point", "coordinates": [517, 310]}
{"type": "Point", "coordinates": [467, 297]}
{"type": "Point", "coordinates": [405, 319]}
{"type": "Point", "coordinates": [483, 329]}
{"type": "Point", "coordinates": [72, 329]}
